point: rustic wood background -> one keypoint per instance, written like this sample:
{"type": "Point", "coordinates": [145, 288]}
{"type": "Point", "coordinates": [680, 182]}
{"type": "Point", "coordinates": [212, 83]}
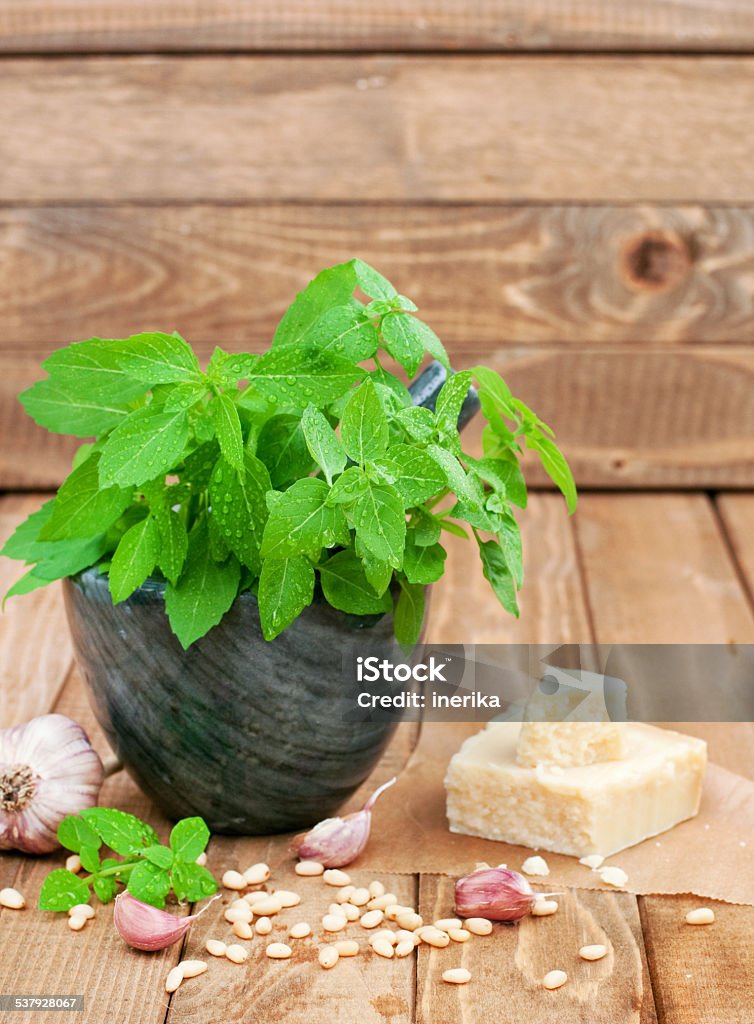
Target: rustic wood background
{"type": "Point", "coordinates": [565, 189]}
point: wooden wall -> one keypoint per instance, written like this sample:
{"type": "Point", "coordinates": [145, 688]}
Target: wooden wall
{"type": "Point", "coordinates": [567, 190]}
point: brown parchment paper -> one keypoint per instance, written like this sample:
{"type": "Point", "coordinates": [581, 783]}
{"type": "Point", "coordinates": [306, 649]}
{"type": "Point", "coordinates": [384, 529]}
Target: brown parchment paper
{"type": "Point", "coordinates": [711, 855]}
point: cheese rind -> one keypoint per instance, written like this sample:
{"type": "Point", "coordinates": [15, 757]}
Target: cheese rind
{"type": "Point", "coordinates": [570, 743]}
{"type": "Point", "coordinates": [597, 808]}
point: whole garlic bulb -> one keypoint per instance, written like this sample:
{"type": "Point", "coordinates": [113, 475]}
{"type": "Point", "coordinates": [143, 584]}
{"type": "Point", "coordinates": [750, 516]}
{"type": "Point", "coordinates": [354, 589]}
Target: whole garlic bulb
{"type": "Point", "coordinates": [48, 769]}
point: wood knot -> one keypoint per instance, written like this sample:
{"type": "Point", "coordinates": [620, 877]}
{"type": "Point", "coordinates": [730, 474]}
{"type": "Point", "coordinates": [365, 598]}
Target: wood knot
{"type": "Point", "coordinates": [656, 261]}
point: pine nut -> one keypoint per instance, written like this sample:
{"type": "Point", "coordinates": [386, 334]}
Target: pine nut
{"type": "Point", "coordinates": [234, 880]}
{"type": "Point", "coordinates": [351, 913]}
{"type": "Point", "coordinates": [333, 922]}
{"type": "Point", "coordinates": [402, 935]}
{"type": "Point", "coordinates": [309, 868]}
{"type": "Point", "coordinates": [535, 866]}
{"type": "Point", "coordinates": [457, 976]}
{"type": "Point", "coordinates": [240, 904]}
{"type": "Point", "coordinates": [702, 915]}
{"type": "Point", "coordinates": [252, 898]}
{"type": "Point", "coordinates": [233, 914]}
{"type": "Point", "coordinates": [383, 948]}
{"type": "Point", "coordinates": [410, 921]}
{"type": "Point", "coordinates": [434, 937]}
{"type": "Point", "coordinates": [11, 899]}
{"type": "Point", "coordinates": [287, 898]}
{"type": "Point", "coordinates": [266, 908]}
{"type": "Point", "coordinates": [343, 895]}
{"type": "Point", "coordinates": [394, 909]}
{"type": "Point", "coordinates": [300, 930]}
{"type": "Point", "coordinates": [459, 934]}
{"type": "Point", "coordinates": [554, 979]}
{"type": "Point", "coordinates": [613, 876]}
{"type": "Point", "coordinates": [215, 947]}
{"type": "Point", "coordinates": [76, 922]}
{"type": "Point", "coordinates": [382, 902]}
{"type": "Point", "coordinates": [83, 910]}
{"type": "Point", "coordinates": [73, 863]}
{"type": "Point", "coordinates": [278, 951]}
{"type": "Point", "coordinates": [257, 874]}
{"type": "Point", "coordinates": [593, 861]}
{"type": "Point", "coordinates": [595, 952]}
{"type": "Point", "coordinates": [236, 954]}
{"type": "Point", "coordinates": [335, 877]}
{"type": "Point", "coordinates": [193, 968]}
{"type": "Point", "coordinates": [328, 957]}
{"type": "Point", "coordinates": [174, 979]}
{"type": "Point", "coordinates": [478, 925]}
{"type": "Point", "coordinates": [346, 947]}
{"type": "Point", "coordinates": [544, 908]}
{"type": "Point", "coordinates": [201, 860]}
{"type": "Point", "coordinates": [371, 919]}
{"type": "Point", "coordinates": [263, 926]}
{"type": "Point", "coordinates": [243, 930]}
{"type": "Point", "coordinates": [360, 897]}
{"type": "Point", "coordinates": [383, 933]}
{"type": "Point", "coordinates": [376, 888]}
{"type": "Point", "coordinates": [446, 923]}
{"type": "Point", "coordinates": [404, 948]}
{"type": "Point", "coordinates": [339, 909]}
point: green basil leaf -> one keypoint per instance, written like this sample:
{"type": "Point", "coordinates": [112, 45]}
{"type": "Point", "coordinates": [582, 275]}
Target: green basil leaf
{"type": "Point", "coordinates": [413, 473]}
{"type": "Point", "coordinates": [504, 476]}
{"type": "Point", "coordinates": [466, 488]}
{"type": "Point", "coordinates": [159, 855]}
{"type": "Point", "coordinates": [134, 559]}
{"type": "Point", "coordinates": [323, 443]}
{"type": "Point", "coordinates": [228, 429]}
{"type": "Point", "coordinates": [74, 832]}
{"type": "Point", "coordinates": [364, 426]}
{"type": "Point", "coordinates": [87, 392]}
{"type": "Point", "coordinates": [498, 574]}
{"type": "Point", "coordinates": [286, 587]}
{"type": "Point", "coordinates": [295, 375]}
{"type": "Point", "coordinates": [349, 486]}
{"type": "Point", "coordinates": [345, 331]}
{"type": "Point", "coordinates": [104, 888]}
{"type": "Point", "coordinates": [204, 592]}
{"type": "Point", "coordinates": [378, 571]}
{"type": "Point", "coordinates": [380, 521]}
{"type": "Point", "coordinates": [418, 422]}
{"type": "Point", "coordinates": [554, 464]}
{"type": "Point", "coordinates": [173, 543]}
{"type": "Point", "coordinates": [189, 838]}
{"type": "Point", "coordinates": [346, 587]}
{"type": "Point", "coordinates": [448, 408]}
{"type": "Point", "coordinates": [401, 338]}
{"type": "Point", "coordinates": [149, 442]}
{"type": "Point", "coordinates": [84, 509]}
{"type": "Point", "coordinates": [302, 523]}
{"type": "Point", "coordinates": [185, 396]}
{"type": "Point", "coordinates": [239, 508]}
{"type": "Point", "coordinates": [149, 883]}
{"type": "Point", "coordinates": [156, 358]}
{"type": "Point", "coordinates": [409, 614]}
{"type": "Point", "coordinates": [62, 890]}
{"type": "Point", "coordinates": [192, 882]}
{"type": "Point", "coordinates": [122, 832]}
{"type": "Point", "coordinates": [371, 282]}
{"type": "Point", "coordinates": [89, 856]}
{"type": "Point", "coordinates": [423, 563]}
{"type": "Point", "coordinates": [331, 287]}
{"type": "Point", "coordinates": [282, 448]}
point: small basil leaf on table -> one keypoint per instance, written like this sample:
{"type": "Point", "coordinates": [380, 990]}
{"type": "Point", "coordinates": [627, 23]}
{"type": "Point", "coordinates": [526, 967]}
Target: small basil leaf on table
{"type": "Point", "coordinates": [191, 882]}
{"type": "Point", "coordinates": [62, 890]}
{"type": "Point", "coordinates": [149, 883]}
{"type": "Point", "coordinates": [161, 856]}
{"type": "Point", "coordinates": [104, 888]}
{"type": "Point", "coordinates": [89, 856]}
{"type": "Point", "coordinates": [189, 839]}
{"type": "Point", "coordinates": [74, 832]}
{"type": "Point", "coordinates": [119, 830]}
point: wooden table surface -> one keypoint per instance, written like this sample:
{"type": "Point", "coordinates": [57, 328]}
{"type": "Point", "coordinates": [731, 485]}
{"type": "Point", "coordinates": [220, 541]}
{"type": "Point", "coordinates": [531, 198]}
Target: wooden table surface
{"type": "Point", "coordinates": [656, 567]}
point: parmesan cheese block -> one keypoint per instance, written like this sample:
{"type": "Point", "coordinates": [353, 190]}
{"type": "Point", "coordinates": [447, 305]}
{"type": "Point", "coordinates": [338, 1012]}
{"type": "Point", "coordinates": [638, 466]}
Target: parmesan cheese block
{"type": "Point", "coordinates": [597, 808]}
{"type": "Point", "coordinates": [570, 743]}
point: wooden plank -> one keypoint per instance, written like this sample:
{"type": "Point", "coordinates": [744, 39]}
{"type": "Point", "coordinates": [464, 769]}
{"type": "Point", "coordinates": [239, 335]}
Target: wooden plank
{"type": "Point", "coordinates": [737, 515]}
{"type": "Point", "coordinates": [507, 967]}
{"type": "Point", "coordinates": [628, 417]}
{"type": "Point", "coordinates": [657, 571]}
{"type": "Point", "coordinates": [51, 26]}
{"type": "Point", "coordinates": [463, 609]}
{"type": "Point", "coordinates": [397, 128]}
{"type": "Point", "coordinates": [545, 274]}
{"type": "Point", "coordinates": [35, 649]}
